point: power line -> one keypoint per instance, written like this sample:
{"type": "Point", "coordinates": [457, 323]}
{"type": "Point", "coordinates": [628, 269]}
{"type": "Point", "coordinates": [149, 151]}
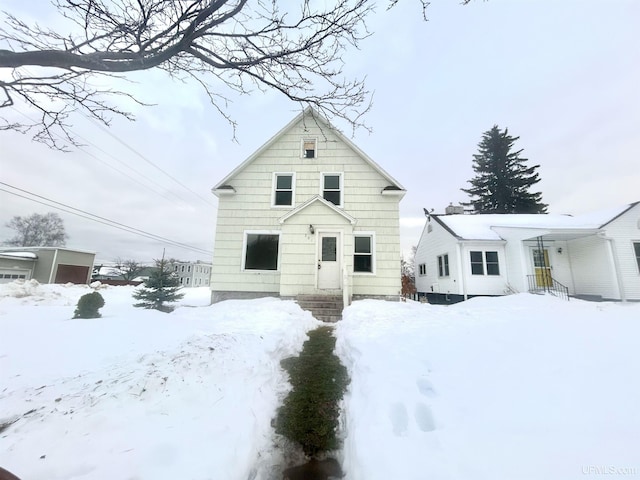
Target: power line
{"type": "Point", "coordinates": [111, 166]}
{"type": "Point", "coordinates": [126, 145]}
{"type": "Point", "coordinates": [96, 218]}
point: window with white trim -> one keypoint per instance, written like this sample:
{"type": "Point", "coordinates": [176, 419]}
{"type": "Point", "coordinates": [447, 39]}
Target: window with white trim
{"type": "Point", "coordinates": [260, 251]}
{"type": "Point", "coordinates": [332, 188]}
{"type": "Point", "coordinates": [363, 260]}
{"type": "Point", "coordinates": [309, 148]}
{"type": "Point", "coordinates": [636, 249]}
{"type": "Point", "coordinates": [443, 265]}
{"type": "Point", "coordinates": [482, 262]}
{"type": "Point", "coordinates": [422, 269]}
{"type": "Point", "coordinates": [283, 191]}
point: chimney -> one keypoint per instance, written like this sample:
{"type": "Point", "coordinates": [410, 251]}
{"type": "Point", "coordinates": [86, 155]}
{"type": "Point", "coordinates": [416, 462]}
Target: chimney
{"type": "Point", "coordinates": [454, 209]}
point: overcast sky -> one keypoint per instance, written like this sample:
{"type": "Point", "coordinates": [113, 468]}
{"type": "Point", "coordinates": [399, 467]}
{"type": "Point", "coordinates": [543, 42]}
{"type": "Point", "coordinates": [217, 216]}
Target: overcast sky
{"type": "Point", "coordinates": [564, 76]}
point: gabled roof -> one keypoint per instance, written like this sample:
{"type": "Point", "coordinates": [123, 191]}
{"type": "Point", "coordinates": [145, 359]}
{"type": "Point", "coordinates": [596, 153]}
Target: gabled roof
{"type": "Point", "coordinates": [482, 226]}
{"type": "Point", "coordinates": [321, 122]}
{"type": "Point", "coordinates": [311, 201]}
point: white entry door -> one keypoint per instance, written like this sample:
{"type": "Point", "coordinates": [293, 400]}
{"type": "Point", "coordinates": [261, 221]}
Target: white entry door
{"type": "Point", "coordinates": [329, 261]}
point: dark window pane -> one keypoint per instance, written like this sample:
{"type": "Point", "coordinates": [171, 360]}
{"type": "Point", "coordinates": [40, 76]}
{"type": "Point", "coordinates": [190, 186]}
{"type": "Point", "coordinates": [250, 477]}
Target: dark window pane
{"type": "Point", "coordinates": [362, 263]}
{"type": "Point", "coordinates": [333, 197]}
{"type": "Point", "coordinates": [309, 154]}
{"type": "Point", "coordinates": [329, 249]}
{"type": "Point", "coordinates": [493, 269]}
{"type": "Point", "coordinates": [492, 257]}
{"type": "Point", "coordinates": [262, 252]}
{"type": "Point", "coordinates": [636, 247]}
{"type": "Point", "coordinates": [477, 265]}
{"type": "Point", "coordinates": [446, 265]}
{"type": "Point", "coordinates": [283, 182]}
{"type": "Point", "coordinates": [332, 182]}
{"type": "Point", "coordinates": [284, 198]}
{"type": "Point", "coordinates": [363, 245]}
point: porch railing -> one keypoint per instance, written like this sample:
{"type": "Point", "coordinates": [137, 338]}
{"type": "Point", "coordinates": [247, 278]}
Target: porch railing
{"type": "Point", "coordinates": [546, 283]}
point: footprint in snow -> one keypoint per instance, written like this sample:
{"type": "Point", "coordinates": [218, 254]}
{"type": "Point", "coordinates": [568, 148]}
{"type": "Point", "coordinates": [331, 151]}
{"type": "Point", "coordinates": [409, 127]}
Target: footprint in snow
{"type": "Point", "coordinates": [425, 387]}
{"type": "Point", "coordinates": [399, 418]}
{"type": "Point", "coordinates": [424, 418]}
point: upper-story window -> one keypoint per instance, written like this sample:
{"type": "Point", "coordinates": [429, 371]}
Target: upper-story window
{"type": "Point", "coordinates": [332, 188]}
{"type": "Point", "coordinates": [283, 192]}
{"type": "Point", "coordinates": [309, 148]}
{"type": "Point", "coordinates": [636, 249]}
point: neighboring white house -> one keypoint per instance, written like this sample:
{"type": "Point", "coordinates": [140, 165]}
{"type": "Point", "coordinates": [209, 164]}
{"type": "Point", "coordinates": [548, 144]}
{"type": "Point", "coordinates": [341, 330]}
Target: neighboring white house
{"type": "Point", "coordinates": [308, 213]}
{"type": "Point", "coordinates": [594, 256]}
{"type": "Point", "coordinates": [193, 274]}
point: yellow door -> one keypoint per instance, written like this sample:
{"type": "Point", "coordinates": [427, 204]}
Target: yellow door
{"type": "Point", "coordinates": [542, 268]}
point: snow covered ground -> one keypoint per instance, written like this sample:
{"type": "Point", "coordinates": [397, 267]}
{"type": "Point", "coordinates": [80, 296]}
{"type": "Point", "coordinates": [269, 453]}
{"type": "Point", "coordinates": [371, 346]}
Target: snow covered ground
{"type": "Point", "coordinates": [519, 387]}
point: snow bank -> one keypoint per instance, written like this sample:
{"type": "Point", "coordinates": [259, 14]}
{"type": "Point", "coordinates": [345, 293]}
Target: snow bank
{"type": "Point", "coordinates": [139, 394]}
{"type": "Point", "coordinates": [524, 387]}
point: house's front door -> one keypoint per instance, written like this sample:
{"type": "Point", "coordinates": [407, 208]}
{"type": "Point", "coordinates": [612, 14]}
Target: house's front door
{"type": "Point", "coordinates": [328, 261]}
{"type": "Point", "coordinates": [542, 267]}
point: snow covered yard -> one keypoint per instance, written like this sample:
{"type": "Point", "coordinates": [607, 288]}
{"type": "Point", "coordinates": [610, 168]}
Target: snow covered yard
{"type": "Point", "coordinates": [519, 387]}
{"type": "Point", "coordinates": [139, 394]}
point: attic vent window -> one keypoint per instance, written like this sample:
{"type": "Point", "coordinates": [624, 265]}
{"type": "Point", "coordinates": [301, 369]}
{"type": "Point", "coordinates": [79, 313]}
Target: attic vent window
{"type": "Point", "coordinates": [309, 148]}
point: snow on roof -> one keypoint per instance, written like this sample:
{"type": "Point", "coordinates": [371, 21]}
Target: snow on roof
{"type": "Point", "coordinates": [480, 227]}
{"type": "Point", "coordinates": [29, 255]}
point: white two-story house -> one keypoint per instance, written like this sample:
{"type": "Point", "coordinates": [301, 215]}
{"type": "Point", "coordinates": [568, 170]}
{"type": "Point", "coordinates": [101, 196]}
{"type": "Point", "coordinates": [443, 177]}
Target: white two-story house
{"type": "Point", "coordinates": [309, 213]}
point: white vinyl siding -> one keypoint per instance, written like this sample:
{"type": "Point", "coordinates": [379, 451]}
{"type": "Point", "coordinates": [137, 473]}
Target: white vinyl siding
{"type": "Point", "coordinates": [250, 208]}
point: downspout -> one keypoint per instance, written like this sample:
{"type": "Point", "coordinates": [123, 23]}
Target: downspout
{"type": "Point", "coordinates": [53, 266]}
{"type": "Point", "coordinates": [616, 267]}
{"type": "Point", "coordinates": [463, 284]}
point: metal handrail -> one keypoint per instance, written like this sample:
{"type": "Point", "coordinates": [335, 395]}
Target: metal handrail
{"type": "Point", "coordinates": [544, 282]}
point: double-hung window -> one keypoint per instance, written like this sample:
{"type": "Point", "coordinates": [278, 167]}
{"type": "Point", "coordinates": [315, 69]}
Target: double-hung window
{"type": "Point", "coordinates": [261, 251]}
{"type": "Point", "coordinates": [363, 261]}
{"type": "Point", "coordinates": [443, 265]}
{"type": "Point", "coordinates": [332, 188]}
{"type": "Point", "coordinates": [636, 249]}
{"type": "Point", "coordinates": [482, 262]}
{"type": "Point", "coordinates": [283, 189]}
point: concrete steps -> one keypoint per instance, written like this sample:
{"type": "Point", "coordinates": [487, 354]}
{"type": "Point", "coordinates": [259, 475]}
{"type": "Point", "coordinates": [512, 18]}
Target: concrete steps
{"type": "Point", "coordinates": [326, 308]}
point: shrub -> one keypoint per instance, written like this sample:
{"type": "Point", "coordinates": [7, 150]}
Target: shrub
{"type": "Point", "coordinates": [310, 413]}
{"type": "Point", "coordinates": [88, 306]}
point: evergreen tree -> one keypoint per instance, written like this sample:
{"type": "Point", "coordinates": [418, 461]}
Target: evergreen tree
{"type": "Point", "coordinates": [502, 180]}
{"type": "Point", "coordinates": [163, 286]}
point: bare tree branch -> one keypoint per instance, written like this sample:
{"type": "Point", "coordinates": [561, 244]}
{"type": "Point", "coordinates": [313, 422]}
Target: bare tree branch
{"type": "Point", "coordinates": [245, 45]}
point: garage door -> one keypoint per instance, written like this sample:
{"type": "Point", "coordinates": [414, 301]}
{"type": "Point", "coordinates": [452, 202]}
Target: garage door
{"type": "Point", "coordinates": [7, 276]}
{"type": "Point", "coordinates": [72, 274]}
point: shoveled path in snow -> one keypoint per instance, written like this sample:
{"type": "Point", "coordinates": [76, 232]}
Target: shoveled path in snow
{"type": "Point", "coordinates": [141, 394]}
{"type": "Point", "coordinates": [525, 387]}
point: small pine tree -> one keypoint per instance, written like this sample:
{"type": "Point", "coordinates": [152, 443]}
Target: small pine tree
{"type": "Point", "coordinates": [88, 306]}
{"type": "Point", "coordinates": [502, 180]}
{"type": "Point", "coordinates": [163, 286]}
